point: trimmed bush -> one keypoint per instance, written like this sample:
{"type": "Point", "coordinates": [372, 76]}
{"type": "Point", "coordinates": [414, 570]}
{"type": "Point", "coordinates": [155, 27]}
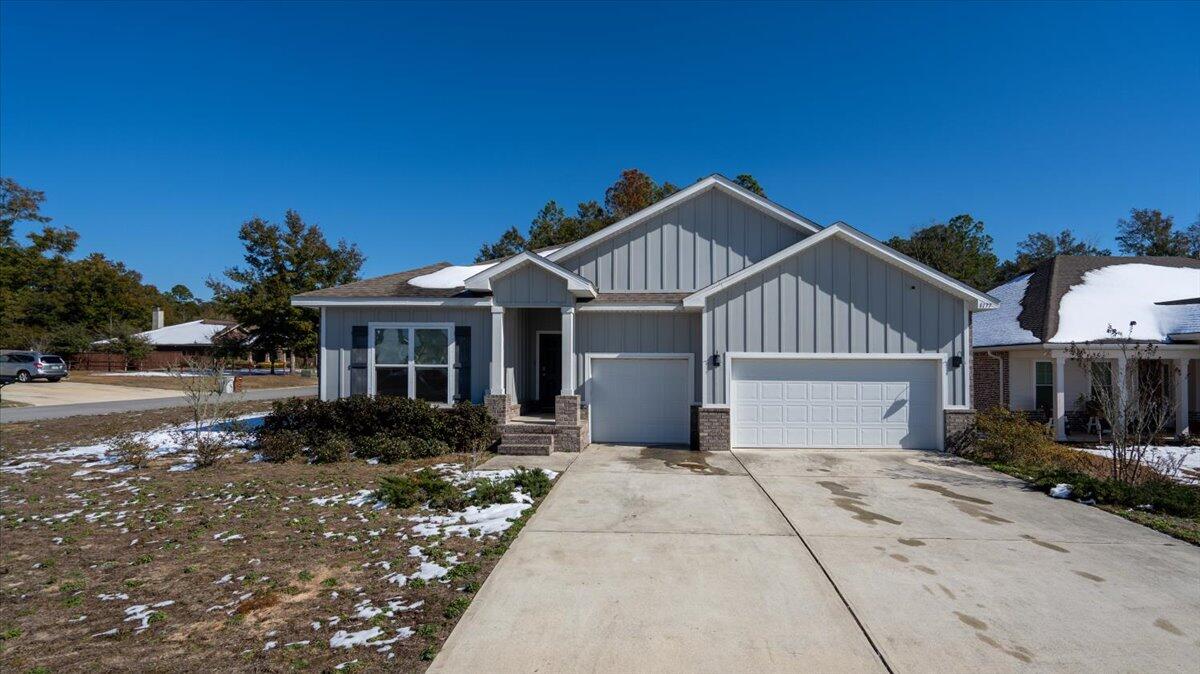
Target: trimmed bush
{"type": "Point", "coordinates": [385, 447]}
{"type": "Point", "coordinates": [424, 448]}
{"type": "Point", "coordinates": [1004, 435]}
{"type": "Point", "coordinates": [281, 447]}
{"type": "Point", "coordinates": [469, 428]}
{"type": "Point", "coordinates": [330, 448]}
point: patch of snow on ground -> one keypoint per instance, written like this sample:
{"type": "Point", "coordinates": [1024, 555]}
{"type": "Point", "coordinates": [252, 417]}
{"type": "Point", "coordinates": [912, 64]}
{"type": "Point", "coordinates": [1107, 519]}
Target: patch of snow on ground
{"type": "Point", "coordinates": [1187, 458]}
{"type": "Point", "coordinates": [1127, 292]}
{"type": "Point", "coordinates": [492, 519]}
{"type": "Point", "coordinates": [1000, 326]}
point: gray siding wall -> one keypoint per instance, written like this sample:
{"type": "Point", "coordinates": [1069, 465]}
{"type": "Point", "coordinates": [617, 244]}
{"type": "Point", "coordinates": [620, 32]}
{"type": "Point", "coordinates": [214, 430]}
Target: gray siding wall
{"type": "Point", "coordinates": [529, 285]}
{"type": "Point", "coordinates": [835, 298]}
{"type": "Point", "coordinates": [687, 247]}
{"type": "Point", "coordinates": [636, 332]}
{"type": "Point", "coordinates": [335, 351]}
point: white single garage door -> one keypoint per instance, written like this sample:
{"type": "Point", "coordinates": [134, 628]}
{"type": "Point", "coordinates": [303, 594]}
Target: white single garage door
{"type": "Point", "coordinates": [835, 403]}
{"type": "Point", "coordinates": [640, 400]}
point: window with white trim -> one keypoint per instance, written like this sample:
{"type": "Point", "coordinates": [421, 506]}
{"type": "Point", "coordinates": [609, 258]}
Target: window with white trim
{"type": "Point", "coordinates": [414, 360]}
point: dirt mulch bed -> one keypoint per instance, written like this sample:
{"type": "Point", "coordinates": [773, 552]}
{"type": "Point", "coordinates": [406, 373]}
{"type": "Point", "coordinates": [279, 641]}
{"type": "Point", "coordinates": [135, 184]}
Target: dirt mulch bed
{"type": "Point", "coordinates": [240, 567]}
{"type": "Point", "coordinates": [256, 381]}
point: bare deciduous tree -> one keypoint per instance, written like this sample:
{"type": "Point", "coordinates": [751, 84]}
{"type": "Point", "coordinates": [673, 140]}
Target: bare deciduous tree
{"type": "Point", "coordinates": [1136, 400]}
{"type": "Point", "coordinates": [202, 381]}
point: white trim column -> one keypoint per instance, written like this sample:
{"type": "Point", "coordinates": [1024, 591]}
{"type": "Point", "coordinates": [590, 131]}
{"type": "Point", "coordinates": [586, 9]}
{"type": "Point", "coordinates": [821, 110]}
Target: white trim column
{"type": "Point", "coordinates": [1060, 397]}
{"type": "Point", "coordinates": [1182, 384]}
{"type": "Point", "coordinates": [568, 351]}
{"type": "Point", "coordinates": [1122, 391]}
{"type": "Point", "coordinates": [496, 372]}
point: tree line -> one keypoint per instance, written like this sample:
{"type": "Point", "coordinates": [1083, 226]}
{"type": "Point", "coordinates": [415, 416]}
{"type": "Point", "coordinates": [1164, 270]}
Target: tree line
{"type": "Point", "coordinates": [959, 247]}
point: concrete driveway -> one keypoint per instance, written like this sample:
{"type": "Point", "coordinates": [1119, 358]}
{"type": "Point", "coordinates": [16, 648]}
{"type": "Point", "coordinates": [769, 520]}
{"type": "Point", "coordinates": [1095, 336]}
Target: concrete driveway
{"type": "Point", "coordinates": [67, 392]}
{"type": "Point", "coordinates": [669, 560]}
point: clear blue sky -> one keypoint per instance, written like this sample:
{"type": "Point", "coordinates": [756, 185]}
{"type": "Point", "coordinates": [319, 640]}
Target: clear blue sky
{"type": "Point", "coordinates": [418, 132]}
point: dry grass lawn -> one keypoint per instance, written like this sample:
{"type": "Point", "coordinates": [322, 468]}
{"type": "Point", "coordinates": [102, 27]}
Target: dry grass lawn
{"type": "Point", "coordinates": [245, 566]}
{"type": "Point", "coordinates": [249, 382]}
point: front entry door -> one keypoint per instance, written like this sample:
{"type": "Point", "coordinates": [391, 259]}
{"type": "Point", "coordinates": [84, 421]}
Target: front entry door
{"type": "Point", "coordinates": [549, 361]}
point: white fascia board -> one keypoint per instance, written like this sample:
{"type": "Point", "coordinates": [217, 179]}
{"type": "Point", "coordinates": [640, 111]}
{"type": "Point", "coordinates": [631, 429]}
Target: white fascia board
{"type": "Point", "coordinates": [391, 301]}
{"type": "Point", "coordinates": [712, 182]}
{"type": "Point", "coordinates": [576, 284]}
{"type": "Point", "coordinates": [633, 307]}
{"type": "Point", "coordinates": [842, 230]}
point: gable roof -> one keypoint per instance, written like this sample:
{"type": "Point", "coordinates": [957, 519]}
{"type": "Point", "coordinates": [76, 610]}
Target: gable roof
{"type": "Point", "coordinates": [200, 332]}
{"type": "Point", "coordinates": [389, 285]}
{"type": "Point", "coordinates": [978, 300]}
{"type": "Point", "coordinates": [576, 284]}
{"type": "Point", "coordinates": [1031, 313]}
{"type": "Point", "coordinates": [713, 182]}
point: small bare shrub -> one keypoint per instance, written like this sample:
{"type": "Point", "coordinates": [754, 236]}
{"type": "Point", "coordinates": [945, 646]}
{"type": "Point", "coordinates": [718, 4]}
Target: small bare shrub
{"type": "Point", "coordinates": [132, 451]}
{"type": "Point", "coordinates": [210, 448]}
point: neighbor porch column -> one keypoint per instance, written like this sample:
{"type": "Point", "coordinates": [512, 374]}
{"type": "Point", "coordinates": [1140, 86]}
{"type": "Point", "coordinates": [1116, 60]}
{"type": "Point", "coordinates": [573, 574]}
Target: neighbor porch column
{"type": "Point", "coordinates": [568, 351]}
{"type": "Point", "coordinates": [1181, 387]}
{"type": "Point", "coordinates": [496, 373]}
{"type": "Point", "coordinates": [1122, 391]}
{"type": "Point", "coordinates": [1060, 397]}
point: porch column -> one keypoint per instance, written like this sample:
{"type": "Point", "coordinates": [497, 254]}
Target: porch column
{"type": "Point", "coordinates": [568, 351]}
{"type": "Point", "coordinates": [1060, 397]}
{"type": "Point", "coordinates": [496, 374]}
{"type": "Point", "coordinates": [1122, 391]}
{"type": "Point", "coordinates": [1181, 387]}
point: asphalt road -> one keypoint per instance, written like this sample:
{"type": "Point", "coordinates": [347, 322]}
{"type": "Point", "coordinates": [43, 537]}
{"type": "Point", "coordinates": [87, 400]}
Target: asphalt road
{"type": "Point", "coordinates": [14, 414]}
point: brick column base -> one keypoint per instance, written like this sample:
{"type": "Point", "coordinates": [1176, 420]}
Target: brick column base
{"type": "Point", "coordinates": [566, 410]}
{"type": "Point", "coordinates": [571, 433]}
{"type": "Point", "coordinates": [710, 429]}
{"type": "Point", "coordinates": [499, 407]}
{"type": "Point", "coordinates": [958, 426]}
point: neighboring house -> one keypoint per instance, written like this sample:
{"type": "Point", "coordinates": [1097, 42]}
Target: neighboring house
{"type": "Point", "coordinates": [1021, 350]}
{"type": "Point", "coordinates": [714, 317]}
{"type": "Point", "coordinates": [173, 344]}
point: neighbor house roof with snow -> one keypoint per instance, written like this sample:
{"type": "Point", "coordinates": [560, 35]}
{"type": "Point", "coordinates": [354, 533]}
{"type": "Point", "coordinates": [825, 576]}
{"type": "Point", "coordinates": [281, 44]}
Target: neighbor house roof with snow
{"type": "Point", "coordinates": [1074, 298]}
{"type": "Point", "coordinates": [193, 333]}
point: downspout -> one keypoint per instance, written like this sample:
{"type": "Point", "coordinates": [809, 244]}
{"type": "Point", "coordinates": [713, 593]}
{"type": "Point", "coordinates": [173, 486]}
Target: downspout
{"type": "Point", "coordinates": [1000, 368]}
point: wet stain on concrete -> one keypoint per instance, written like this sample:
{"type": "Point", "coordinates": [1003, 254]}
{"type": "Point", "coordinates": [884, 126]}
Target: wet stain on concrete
{"type": "Point", "coordinates": [980, 513]}
{"type": "Point", "coordinates": [1089, 576]}
{"type": "Point", "coordinates": [1018, 652]}
{"type": "Point", "coordinates": [925, 569]}
{"type": "Point", "coordinates": [1044, 544]}
{"type": "Point", "coordinates": [947, 591]}
{"type": "Point", "coordinates": [971, 621]}
{"type": "Point", "coordinates": [929, 590]}
{"type": "Point", "coordinates": [851, 501]}
{"type": "Point", "coordinates": [898, 558]}
{"type": "Point", "coordinates": [939, 489]}
{"type": "Point", "coordinates": [1166, 626]}
{"type": "Point", "coordinates": [696, 462]}
{"type": "Point", "coordinates": [911, 542]}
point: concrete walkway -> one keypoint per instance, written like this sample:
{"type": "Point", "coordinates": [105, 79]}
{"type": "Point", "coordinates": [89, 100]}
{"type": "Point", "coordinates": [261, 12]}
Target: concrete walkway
{"type": "Point", "coordinates": [673, 561]}
{"type": "Point", "coordinates": [171, 399]}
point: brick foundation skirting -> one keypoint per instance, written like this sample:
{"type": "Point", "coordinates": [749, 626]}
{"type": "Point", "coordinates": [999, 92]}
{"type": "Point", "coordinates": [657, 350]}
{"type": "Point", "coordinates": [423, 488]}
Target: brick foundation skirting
{"type": "Point", "coordinates": [710, 429]}
{"type": "Point", "coordinates": [499, 407]}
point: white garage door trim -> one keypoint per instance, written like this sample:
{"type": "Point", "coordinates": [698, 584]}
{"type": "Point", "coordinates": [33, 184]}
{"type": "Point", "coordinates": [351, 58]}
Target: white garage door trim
{"type": "Point", "coordinates": [590, 357]}
{"type": "Point", "coordinates": [936, 360]}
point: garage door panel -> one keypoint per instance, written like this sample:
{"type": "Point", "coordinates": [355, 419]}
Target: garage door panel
{"type": "Point", "coordinates": [643, 400]}
{"type": "Point", "coordinates": [833, 403]}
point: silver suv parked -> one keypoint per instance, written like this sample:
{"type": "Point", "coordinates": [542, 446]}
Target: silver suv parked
{"type": "Point", "coordinates": [30, 365]}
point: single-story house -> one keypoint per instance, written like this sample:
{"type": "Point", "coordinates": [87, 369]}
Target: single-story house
{"type": "Point", "coordinates": [1022, 349]}
{"type": "Point", "coordinates": [173, 344]}
{"type": "Point", "coordinates": [715, 317]}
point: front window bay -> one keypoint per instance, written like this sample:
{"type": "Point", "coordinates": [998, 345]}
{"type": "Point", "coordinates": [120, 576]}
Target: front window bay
{"type": "Point", "coordinates": [412, 361]}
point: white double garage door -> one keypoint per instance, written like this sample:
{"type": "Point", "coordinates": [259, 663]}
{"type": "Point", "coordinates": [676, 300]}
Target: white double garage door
{"type": "Point", "coordinates": [835, 402]}
{"type": "Point", "coordinates": [824, 402]}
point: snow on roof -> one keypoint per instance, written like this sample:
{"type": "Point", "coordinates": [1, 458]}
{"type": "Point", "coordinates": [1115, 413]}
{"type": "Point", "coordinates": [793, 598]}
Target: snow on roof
{"type": "Point", "coordinates": [1118, 294]}
{"type": "Point", "coordinates": [455, 276]}
{"type": "Point", "coordinates": [192, 333]}
{"type": "Point", "coordinates": [1000, 326]}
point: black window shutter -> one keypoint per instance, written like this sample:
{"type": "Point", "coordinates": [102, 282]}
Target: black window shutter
{"type": "Point", "coordinates": [358, 360]}
{"type": "Point", "coordinates": [462, 362]}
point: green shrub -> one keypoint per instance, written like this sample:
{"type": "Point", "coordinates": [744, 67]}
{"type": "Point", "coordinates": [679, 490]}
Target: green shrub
{"type": "Point", "coordinates": [385, 447]}
{"type": "Point", "coordinates": [470, 428]}
{"type": "Point", "coordinates": [534, 482]}
{"type": "Point", "coordinates": [424, 448]}
{"type": "Point", "coordinates": [330, 448]}
{"type": "Point", "coordinates": [280, 446]}
{"type": "Point", "coordinates": [423, 486]}
{"type": "Point", "coordinates": [1161, 494]}
{"type": "Point", "coordinates": [486, 492]}
{"type": "Point", "coordinates": [1004, 436]}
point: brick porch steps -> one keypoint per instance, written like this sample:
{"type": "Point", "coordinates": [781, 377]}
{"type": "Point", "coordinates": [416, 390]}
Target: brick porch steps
{"type": "Point", "coordinates": [527, 439]}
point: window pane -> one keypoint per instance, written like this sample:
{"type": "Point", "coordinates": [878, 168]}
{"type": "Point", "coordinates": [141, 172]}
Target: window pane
{"type": "Point", "coordinates": [391, 346]}
{"type": "Point", "coordinates": [1045, 374]}
{"type": "Point", "coordinates": [431, 346]}
{"type": "Point", "coordinates": [431, 384]}
{"type": "Point", "coordinates": [391, 381]}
